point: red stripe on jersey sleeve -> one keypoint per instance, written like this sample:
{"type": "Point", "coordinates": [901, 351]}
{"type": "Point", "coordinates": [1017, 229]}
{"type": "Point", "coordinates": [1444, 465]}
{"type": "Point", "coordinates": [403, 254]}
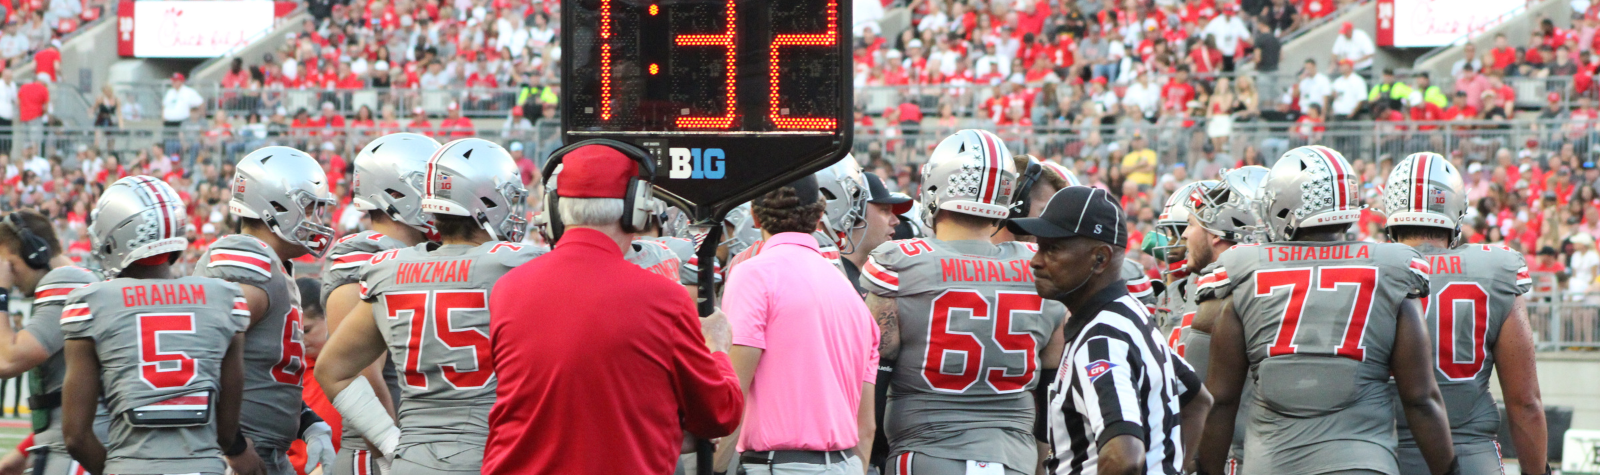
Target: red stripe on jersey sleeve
{"type": "Point", "coordinates": [242, 258]}
{"type": "Point", "coordinates": [884, 275]}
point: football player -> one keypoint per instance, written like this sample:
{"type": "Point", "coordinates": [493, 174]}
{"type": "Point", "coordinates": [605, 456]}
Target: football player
{"type": "Point", "coordinates": [962, 321]}
{"type": "Point", "coordinates": [388, 188]}
{"type": "Point", "coordinates": [1175, 305]}
{"type": "Point", "coordinates": [1476, 317]}
{"type": "Point", "coordinates": [1320, 324]}
{"type": "Point", "coordinates": [280, 197]}
{"type": "Point", "coordinates": [1220, 217]}
{"type": "Point", "coordinates": [165, 352]}
{"type": "Point", "coordinates": [30, 260]}
{"type": "Point", "coordinates": [427, 305]}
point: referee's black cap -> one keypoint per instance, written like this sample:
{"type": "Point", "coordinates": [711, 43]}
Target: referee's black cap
{"type": "Point", "coordinates": [1077, 211]}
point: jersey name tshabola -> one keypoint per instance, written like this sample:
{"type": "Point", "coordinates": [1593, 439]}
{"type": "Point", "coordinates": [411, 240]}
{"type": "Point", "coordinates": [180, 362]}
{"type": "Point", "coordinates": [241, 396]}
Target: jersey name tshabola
{"type": "Point", "coordinates": [163, 294]}
{"type": "Point", "coordinates": [984, 270]}
{"type": "Point", "coordinates": [1297, 253]}
{"type": "Point", "coordinates": [429, 272]}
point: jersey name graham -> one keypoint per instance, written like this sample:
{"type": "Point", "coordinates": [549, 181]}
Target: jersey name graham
{"type": "Point", "coordinates": [163, 294]}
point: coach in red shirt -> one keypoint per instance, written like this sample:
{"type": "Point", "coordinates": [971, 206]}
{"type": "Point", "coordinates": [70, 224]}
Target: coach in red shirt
{"type": "Point", "coordinates": [602, 365]}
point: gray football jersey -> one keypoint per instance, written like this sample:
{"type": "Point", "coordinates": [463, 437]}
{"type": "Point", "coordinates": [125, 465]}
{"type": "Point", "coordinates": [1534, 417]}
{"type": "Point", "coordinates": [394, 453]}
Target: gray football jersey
{"type": "Point", "coordinates": [656, 257]}
{"type": "Point", "coordinates": [1139, 285]}
{"type": "Point", "coordinates": [971, 326]}
{"type": "Point", "coordinates": [688, 272]}
{"type": "Point", "coordinates": [1475, 285]}
{"type": "Point", "coordinates": [1319, 324]}
{"type": "Point", "coordinates": [1175, 309]}
{"type": "Point", "coordinates": [348, 256]}
{"type": "Point", "coordinates": [161, 344]}
{"type": "Point", "coordinates": [45, 325]}
{"type": "Point", "coordinates": [274, 348]}
{"type": "Point", "coordinates": [431, 304]}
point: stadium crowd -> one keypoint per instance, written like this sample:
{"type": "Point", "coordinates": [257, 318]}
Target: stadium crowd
{"type": "Point", "coordinates": [1107, 83]}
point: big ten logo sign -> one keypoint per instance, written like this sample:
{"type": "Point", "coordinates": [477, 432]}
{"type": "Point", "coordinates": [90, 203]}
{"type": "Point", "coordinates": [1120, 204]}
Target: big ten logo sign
{"type": "Point", "coordinates": [697, 163]}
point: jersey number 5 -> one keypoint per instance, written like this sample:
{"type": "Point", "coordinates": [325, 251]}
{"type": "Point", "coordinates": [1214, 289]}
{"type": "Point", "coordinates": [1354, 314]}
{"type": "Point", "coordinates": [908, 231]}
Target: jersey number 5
{"type": "Point", "coordinates": [437, 306]}
{"type": "Point", "coordinates": [945, 343]}
{"type": "Point", "coordinates": [151, 356]}
{"type": "Point", "coordinates": [1329, 279]}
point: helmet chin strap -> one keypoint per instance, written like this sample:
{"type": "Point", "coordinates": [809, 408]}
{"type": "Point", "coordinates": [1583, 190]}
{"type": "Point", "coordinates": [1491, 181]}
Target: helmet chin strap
{"type": "Point", "coordinates": [483, 222]}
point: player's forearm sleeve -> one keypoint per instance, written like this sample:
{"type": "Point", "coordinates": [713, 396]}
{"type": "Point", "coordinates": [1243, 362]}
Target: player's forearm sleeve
{"type": "Point", "coordinates": [362, 411]}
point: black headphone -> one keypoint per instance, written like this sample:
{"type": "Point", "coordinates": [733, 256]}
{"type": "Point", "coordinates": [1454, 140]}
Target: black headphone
{"type": "Point", "coordinates": [1022, 199]}
{"type": "Point", "coordinates": [636, 210]}
{"type": "Point", "coordinates": [35, 249]}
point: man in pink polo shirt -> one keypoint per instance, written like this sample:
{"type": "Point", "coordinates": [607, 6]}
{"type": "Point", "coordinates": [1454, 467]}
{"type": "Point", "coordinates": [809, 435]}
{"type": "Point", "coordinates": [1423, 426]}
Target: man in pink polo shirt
{"type": "Point", "coordinates": [804, 346]}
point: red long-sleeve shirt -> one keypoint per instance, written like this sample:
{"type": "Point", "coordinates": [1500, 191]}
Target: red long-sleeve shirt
{"type": "Point", "coordinates": [597, 361]}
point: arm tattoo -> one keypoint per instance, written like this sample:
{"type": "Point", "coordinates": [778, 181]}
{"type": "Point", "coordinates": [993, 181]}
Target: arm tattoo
{"type": "Point", "coordinates": [887, 312]}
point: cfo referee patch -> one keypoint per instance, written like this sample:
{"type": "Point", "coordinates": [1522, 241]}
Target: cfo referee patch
{"type": "Point", "coordinates": [1098, 368]}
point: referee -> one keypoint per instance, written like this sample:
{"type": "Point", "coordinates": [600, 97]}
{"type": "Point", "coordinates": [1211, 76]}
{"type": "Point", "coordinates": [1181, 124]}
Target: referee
{"type": "Point", "coordinates": [1120, 387]}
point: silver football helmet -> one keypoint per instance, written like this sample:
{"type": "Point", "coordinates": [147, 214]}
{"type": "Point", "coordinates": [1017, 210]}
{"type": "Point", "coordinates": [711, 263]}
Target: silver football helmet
{"type": "Point", "coordinates": [1425, 189]}
{"type": "Point", "coordinates": [970, 172]}
{"type": "Point", "coordinates": [286, 189]}
{"type": "Point", "coordinates": [137, 217]}
{"type": "Point", "coordinates": [1309, 186]}
{"type": "Point", "coordinates": [389, 177]}
{"type": "Point", "coordinates": [744, 234]}
{"type": "Point", "coordinates": [1174, 216]}
{"type": "Point", "coordinates": [844, 189]}
{"type": "Point", "coordinates": [1228, 208]}
{"type": "Point", "coordinates": [477, 178]}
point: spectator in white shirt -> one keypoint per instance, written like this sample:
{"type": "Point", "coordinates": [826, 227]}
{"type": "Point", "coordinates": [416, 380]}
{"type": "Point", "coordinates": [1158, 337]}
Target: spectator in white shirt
{"type": "Point", "coordinates": [1228, 29]}
{"type": "Point", "coordinates": [35, 163]}
{"type": "Point", "coordinates": [1354, 46]}
{"type": "Point", "coordinates": [1314, 86]}
{"type": "Point", "coordinates": [1469, 56]}
{"type": "Point", "coordinates": [1142, 97]}
{"type": "Point", "coordinates": [62, 10]}
{"type": "Point", "coordinates": [14, 44]}
{"type": "Point", "coordinates": [8, 108]}
{"type": "Point", "coordinates": [1349, 91]}
{"type": "Point", "coordinates": [179, 104]}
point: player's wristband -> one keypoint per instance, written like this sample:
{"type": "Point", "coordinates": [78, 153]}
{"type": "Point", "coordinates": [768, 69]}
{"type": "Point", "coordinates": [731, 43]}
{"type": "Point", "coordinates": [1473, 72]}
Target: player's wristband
{"type": "Point", "coordinates": [240, 444]}
{"type": "Point", "coordinates": [5, 299]}
{"type": "Point", "coordinates": [308, 418]}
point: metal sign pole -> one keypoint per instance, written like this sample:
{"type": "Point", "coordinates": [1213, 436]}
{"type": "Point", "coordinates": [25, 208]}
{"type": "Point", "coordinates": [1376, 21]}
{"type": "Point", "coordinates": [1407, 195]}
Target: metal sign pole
{"type": "Point", "coordinates": [706, 253]}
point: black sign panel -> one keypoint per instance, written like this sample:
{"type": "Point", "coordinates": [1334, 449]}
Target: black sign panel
{"type": "Point", "coordinates": [732, 97]}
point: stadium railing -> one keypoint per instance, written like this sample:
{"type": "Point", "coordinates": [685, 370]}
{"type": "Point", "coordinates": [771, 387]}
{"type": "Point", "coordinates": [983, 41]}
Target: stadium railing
{"type": "Point", "coordinates": [1563, 320]}
{"type": "Point", "coordinates": [145, 98]}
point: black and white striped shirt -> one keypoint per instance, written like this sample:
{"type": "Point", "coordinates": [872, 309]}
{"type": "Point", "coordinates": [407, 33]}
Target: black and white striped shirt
{"type": "Point", "coordinates": [1117, 377]}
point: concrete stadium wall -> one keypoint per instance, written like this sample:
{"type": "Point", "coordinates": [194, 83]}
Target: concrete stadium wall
{"type": "Point", "coordinates": [212, 71]}
{"type": "Point", "coordinates": [1569, 379]}
{"type": "Point", "coordinates": [1317, 43]}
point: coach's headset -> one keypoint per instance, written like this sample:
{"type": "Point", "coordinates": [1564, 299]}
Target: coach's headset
{"type": "Point", "coordinates": [636, 206]}
{"type": "Point", "coordinates": [35, 249]}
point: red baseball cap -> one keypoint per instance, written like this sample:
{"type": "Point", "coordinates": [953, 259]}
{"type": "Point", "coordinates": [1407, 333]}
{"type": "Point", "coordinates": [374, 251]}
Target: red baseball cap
{"type": "Point", "coordinates": [1555, 97]}
{"type": "Point", "coordinates": [1346, 28]}
{"type": "Point", "coordinates": [177, 76]}
{"type": "Point", "coordinates": [595, 171]}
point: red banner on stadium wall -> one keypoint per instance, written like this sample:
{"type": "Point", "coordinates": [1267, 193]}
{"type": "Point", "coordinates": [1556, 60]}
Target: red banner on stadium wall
{"type": "Point", "coordinates": [1385, 23]}
{"type": "Point", "coordinates": [193, 29]}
